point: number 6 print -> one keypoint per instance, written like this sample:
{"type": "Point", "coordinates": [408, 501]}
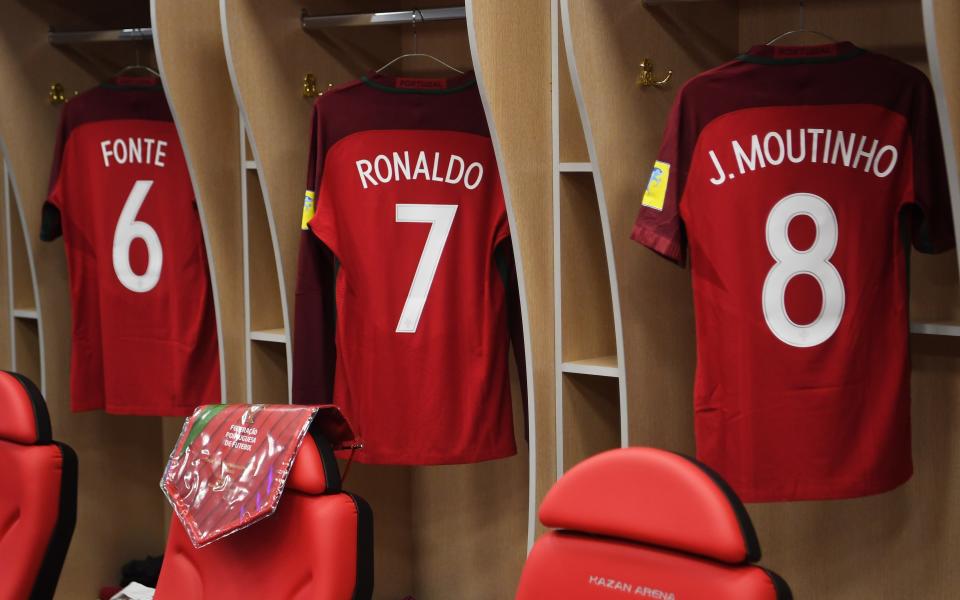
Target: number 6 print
{"type": "Point", "coordinates": [440, 217]}
{"type": "Point", "coordinates": [815, 261]}
{"type": "Point", "coordinates": [129, 229]}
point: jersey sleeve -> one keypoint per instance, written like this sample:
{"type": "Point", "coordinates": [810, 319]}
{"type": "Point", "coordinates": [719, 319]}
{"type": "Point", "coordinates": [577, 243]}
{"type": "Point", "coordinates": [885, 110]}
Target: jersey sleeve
{"type": "Point", "coordinates": [50, 225]}
{"type": "Point", "coordinates": [658, 225]}
{"type": "Point", "coordinates": [314, 344]}
{"type": "Point", "coordinates": [507, 267]}
{"type": "Point", "coordinates": [933, 221]}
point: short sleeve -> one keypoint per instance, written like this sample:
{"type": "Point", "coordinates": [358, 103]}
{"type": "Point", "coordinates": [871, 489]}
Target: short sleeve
{"type": "Point", "coordinates": [658, 225]}
{"type": "Point", "coordinates": [933, 222]}
{"type": "Point", "coordinates": [50, 223]}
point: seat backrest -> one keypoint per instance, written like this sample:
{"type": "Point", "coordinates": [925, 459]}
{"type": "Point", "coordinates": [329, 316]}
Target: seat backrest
{"type": "Point", "coordinates": [38, 494]}
{"type": "Point", "coordinates": [318, 545]}
{"type": "Point", "coordinates": [646, 523]}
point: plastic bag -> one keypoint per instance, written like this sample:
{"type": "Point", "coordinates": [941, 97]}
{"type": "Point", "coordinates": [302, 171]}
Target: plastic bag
{"type": "Point", "coordinates": [230, 464]}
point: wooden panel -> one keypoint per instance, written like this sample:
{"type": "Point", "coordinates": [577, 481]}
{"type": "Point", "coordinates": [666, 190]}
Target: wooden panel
{"type": "Point", "coordinates": [627, 122]}
{"type": "Point", "coordinates": [517, 97]}
{"type": "Point", "coordinates": [190, 46]}
{"type": "Point", "coordinates": [6, 322]}
{"type": "Point", "coordinates": [947, 18]}
{"type": "Point", "coordinates": [573, 146]}
{"type": "Point", "coordinates": [591, 416]}
{"type": "Point", "coordinates": [268, 373]}
{"type": "Point", "coordinates": [944, 34]}
{"type": "Point", "coordinates": [115, 453]}
{"type": "Point", "coordinates": [26, 335]}
{"type": "Point", "coordinates": [23, 294]}
{"type": "Point", "coordinates": [266, 310]}
{"type": "Point", "coordinates": [487, 504]}
{"type": "Point", "coordinates": [892, 27]}
{"type": "Point", "coordinates": [587, 310]}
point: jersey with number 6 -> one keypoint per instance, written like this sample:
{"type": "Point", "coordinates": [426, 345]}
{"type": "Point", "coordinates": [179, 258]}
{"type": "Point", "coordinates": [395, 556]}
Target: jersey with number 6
{"type": "Point", "coordinates": [144, 330]}
{"type": "Point", "coordinates": [796, 177]}
{"type": "Point", "coordinates": [399, 279]}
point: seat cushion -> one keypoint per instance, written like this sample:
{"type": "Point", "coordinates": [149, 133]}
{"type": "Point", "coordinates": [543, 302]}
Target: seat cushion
{"type": "Point", "coordinates": [573, 566]}
{"type": "Point", "coordinates": [653, 497]}
{"type": "Point", "coordinates": [25, 419]}
{"type": "Point", "coordinates": [38, 496]}
{"type": "Point", "coordinates": [311, 548]}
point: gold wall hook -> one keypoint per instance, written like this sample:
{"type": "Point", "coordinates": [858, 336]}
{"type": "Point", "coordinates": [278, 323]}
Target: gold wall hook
{"type": "Point", "coordinates": [646, 78]}
{"type": "Point", "coordinates": [310, 86]}
{"type": "Point", "coordinates": [56, 95]}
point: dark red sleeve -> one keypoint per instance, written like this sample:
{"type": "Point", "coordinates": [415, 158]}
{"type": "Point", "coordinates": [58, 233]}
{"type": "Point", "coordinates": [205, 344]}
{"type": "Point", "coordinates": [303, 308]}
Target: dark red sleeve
{"type": "Point", "coordinates": [933, 222]}
{"type": "Point", "coordinates": [658, 225]}
{"type": "Point", "coordinates": [508, 272]}
{"type": "Point", "coordinates": [314, 345]}
{"type": "Point", "coordinates": [50, 227]}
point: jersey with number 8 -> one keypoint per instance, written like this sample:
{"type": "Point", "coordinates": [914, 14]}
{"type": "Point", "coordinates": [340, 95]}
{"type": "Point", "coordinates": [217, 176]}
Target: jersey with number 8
{"type": "Point", "coordinates": [144, 331]}
{"type": "Point", "coordinates": [794, 178]}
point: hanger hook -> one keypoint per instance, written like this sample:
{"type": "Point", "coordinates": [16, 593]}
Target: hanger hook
{"type": "Point", "coordinates": [646, 78]}
{"type": "Point", "coordinates": [413, 18]}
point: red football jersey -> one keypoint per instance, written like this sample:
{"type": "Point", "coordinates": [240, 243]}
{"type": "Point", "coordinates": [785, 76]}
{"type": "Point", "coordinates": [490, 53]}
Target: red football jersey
{"type": "Point", "coordinates": [144, 330]}
{"type": "Point", "coordinates": [406, 220]}
{"type": "Point", "coordinates": [796, 176]}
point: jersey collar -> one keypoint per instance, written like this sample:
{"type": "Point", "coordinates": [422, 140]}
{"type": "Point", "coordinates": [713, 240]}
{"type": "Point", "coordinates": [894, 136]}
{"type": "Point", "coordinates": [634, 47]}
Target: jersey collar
{"type": "Point", "coordinates": [793, 55]}
{"type": "Point", "coordinates": [396, 85]}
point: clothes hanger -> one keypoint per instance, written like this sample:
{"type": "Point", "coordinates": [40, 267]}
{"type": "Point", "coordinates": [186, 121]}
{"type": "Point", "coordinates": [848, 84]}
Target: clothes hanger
{"type": "Point", "coordinates": [416, 53]}
{"type": "Point", "coordinates": [802, 29]}
{"type": "Point", "coordinates": [137, 67]}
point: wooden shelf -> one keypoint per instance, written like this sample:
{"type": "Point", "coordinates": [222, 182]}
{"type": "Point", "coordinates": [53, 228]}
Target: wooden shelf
{"type": "Point", "coordinates": [275, 336]}
{"type": "Point", "coordinates": [601, 366]}
{"type": "Point", "coordinates": [576, 167]}
{"type": "Point", "coordinates": [591, 416]}
{"type": "Point", "coordinates": [265, 310]}
{"type": "Point", "coordinates": [268, 373]}
{"type": "Point", "coordinates": [944, 328]}
{"type": "Point", "coordinates": [27, 349]}
{"type": "Point", "coordinates": [25, 313]}
{"type": "Point", "coordinates": [250, 165]}
{"type": "Point", "coordinates": [586, 315]}
{"type": "Point", "coordinates": [573, 144]}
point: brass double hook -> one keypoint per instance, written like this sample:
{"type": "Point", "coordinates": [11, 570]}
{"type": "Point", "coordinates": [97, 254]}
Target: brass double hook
{"type": "Point", "coordinates": [646, 78]}
{"type": "Point", "coordinates": [310, 87]}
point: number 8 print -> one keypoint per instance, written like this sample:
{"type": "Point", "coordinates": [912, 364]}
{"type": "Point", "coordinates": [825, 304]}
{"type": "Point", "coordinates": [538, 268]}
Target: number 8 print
{"type": "Point", "coordinates": [814, 261]}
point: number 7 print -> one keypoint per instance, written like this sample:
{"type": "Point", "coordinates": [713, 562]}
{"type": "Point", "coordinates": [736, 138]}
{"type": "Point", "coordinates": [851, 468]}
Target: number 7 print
{"type": "Point", "coordinates": [440, 217]}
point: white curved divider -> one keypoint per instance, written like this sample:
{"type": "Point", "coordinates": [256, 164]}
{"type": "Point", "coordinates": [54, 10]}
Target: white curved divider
{"type": "Point", "coordinates": [619, 368]}
{"type": "Point", "coordinates": [13, 210]}
{"type": "Point", "coordinates": [932, 14]}
{"type": "Point", "coordinates": [198, 195]}
{"type": "Point", "coordinates": [521, 279]}
{"type": "Point", "coordinates": [271, 221]}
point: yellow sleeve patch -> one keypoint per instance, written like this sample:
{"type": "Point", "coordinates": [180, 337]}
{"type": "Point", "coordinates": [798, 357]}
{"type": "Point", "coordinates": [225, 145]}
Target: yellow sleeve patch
{"type": "Point", "coordinates": [309, 209]}
{"type": "Point", "coordinates": [657, 186]}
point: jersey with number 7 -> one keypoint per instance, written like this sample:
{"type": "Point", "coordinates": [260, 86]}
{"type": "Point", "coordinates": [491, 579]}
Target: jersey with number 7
{"type": "Point", "coordinates": [144, 330]}
{"type": "Point", "coordinates": [795, 176]}
{"type": "Point", "coordinates": [404, 222]}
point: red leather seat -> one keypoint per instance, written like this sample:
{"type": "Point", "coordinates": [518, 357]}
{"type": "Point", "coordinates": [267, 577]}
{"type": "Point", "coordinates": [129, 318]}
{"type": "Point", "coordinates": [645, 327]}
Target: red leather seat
{"type": "Point", "coordinates": [38, 494]}
{"type": "Point", "coordinates": [318, 545]}
{"type": "Point", "coordinates": [646, 523]}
